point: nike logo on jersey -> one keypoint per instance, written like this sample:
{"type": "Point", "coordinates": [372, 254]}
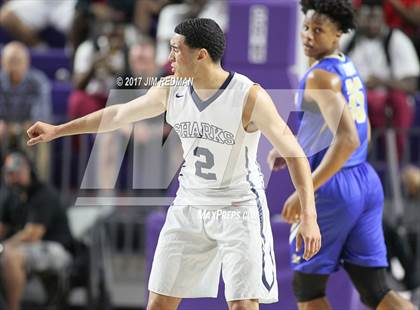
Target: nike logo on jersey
{"type": "Point", "coordinates": [204, 131]}
{"type": "Point", "coordinates": [178, 95]}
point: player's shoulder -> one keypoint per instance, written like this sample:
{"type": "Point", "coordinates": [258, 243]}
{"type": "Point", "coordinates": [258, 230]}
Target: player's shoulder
{"type": "Point", "coordinates": [320, 78]}
{"type": "Point", "coordinates": [240, 81]}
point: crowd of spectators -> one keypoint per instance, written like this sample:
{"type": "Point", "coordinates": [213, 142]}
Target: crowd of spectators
{"type": "Point", "coordinates": [387, 61]}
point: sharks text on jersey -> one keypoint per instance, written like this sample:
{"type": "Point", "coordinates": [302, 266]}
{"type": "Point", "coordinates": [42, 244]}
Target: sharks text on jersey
{"type": "Point", "coordinates": [204, 131]}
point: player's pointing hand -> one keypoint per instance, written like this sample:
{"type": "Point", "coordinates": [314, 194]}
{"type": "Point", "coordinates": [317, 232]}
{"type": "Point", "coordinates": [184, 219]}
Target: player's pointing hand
{"type": "Point", "coordinates": [41, 132]}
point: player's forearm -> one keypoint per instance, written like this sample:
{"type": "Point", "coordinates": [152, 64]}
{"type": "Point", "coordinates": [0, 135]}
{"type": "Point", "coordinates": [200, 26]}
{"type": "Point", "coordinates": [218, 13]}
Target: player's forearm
{"type": "Point", "coordinates": [100, 121]}
{"type": "Point", "coordinates": [300, 173]}
{"type": "Point", "coordinates": [336, 156]}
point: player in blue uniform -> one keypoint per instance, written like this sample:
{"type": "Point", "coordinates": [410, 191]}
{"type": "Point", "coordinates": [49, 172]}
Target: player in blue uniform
{"type": "Point", "coordinates": [334, 133]}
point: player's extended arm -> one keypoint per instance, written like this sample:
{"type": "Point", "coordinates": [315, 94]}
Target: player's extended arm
{"type": "Point", "coordinates": [324, 88]}
{"type": "Point", "coordinates": [266, 118]}
{"type": "Point", "coordinates": [151, 104]}
{"type": "Point", "coordinates": [261, 112]}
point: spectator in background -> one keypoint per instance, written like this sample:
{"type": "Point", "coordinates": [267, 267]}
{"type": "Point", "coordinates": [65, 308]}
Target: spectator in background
{"type": "Point", "coordinates": [152, 169]}
{"type": "Point", "coordinates": [401, 236]}
{"type": "Point", "coordinates": [24, 19]}
{"type": "Point", "coordinates": [405, 15]}
{"type": "Point", "coordinates": [148, 162]}
{"type": "Point", "coordinates": [89, 12]}
{"type": "Point", "coordinates": [171, 15]}
{"type": "Point", "coordinates": [142, 63]}
{"type": "Point", "coordinates": [139, 14]}
{"type": "Point", "coordinates": [147, 12]}
{"type": "Point", "coordinates": [34, 228]}
{"type": "Point", "coordinates": [410, 177]}
{"type": "Point", "coordinates": [25, 97]}
{"type": "Point", "coordinates": [388, 63]}
{"type": "Point", "coordinates": [97, 63]}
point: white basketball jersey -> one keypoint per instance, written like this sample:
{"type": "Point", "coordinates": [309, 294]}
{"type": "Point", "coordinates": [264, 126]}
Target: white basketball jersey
{"type": "Point", "coordinates": [220, 166]}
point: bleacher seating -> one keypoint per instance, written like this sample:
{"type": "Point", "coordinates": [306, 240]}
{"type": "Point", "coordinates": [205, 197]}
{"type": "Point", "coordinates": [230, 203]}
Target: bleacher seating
{"type": "Point", "coordinates": [60, 94]}
{"type": "Point", "coordinates": [52, 37]}
{"type": "Point", "coordinates": [50, 61]}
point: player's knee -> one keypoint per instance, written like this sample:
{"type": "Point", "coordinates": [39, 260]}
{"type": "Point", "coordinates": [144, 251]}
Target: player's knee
{"type": "Point", "coordinates": [244, 305]}
{"type": "Point", "coordinates": [307, 287]}
{"type": "Point", "coordinates": [160, 302]}
{"type": "Point", "coordinates": [370, 282]}
{"type": "Point", "coordinates": [156, 304]}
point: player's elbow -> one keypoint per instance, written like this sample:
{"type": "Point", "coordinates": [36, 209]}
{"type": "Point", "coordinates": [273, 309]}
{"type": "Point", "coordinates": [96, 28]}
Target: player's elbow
{"type": "Point", "coordinates": [351, 141]}
{"type": "Point", "coordinates": [116, 116]}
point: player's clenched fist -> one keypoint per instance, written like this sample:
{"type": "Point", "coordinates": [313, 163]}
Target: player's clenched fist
{"type": "Point", "coordinates": [41, 132]}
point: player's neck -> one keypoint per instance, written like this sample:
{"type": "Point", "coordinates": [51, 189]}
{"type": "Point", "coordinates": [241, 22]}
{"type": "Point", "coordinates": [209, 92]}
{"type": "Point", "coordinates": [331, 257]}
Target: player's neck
{"type": "Point", "coordinates": [210, 78]}
{"type": "Point", "coordinates": [313, 60]}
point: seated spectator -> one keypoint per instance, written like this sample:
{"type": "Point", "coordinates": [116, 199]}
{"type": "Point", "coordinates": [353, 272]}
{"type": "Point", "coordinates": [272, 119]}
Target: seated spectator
{"type": "Point", "coordinates": [142, 64]}
{"type": "Point", "coordinates": [141, 70]}
{"type": "Point", "coordinates": [146, 12]}
{"type": "Point", "coordinates": [24, 19]}
{"type": "Point", "coordinates": [388, 63]}
{"type": "Point", "coordinates": [410, 178]}
{"type": "Point", "coordinates": [97, 63]}
{"type": "Point", "coordinates": [139, 16]}
{"type": "Point", "coordinates": [89, 12]}
{"type": "Point", "coordinates": [34, 228]}
{"type": "Point", "coordinates": [172, 14]}
{"type": "Point", "coordinates": [25, 97]}
{"type": "Point", "coordinates": [402, 14]}
{"type": "Point", "coordinates": [405, 15]}
{"type": "Point", "coordinates": [401, 237]}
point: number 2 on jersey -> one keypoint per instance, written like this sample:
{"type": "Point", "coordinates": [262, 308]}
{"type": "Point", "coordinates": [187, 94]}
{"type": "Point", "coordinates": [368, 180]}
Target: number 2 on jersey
{"type": "Point", "coordinates": [208, 163]}
{"type": "Point", "coordinates": [356, 99]}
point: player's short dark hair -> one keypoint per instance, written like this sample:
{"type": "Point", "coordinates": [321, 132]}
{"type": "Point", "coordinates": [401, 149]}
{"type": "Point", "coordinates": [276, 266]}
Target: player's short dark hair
{"type": "Point", "coordinates": [372, 3]}
{"type": "Point", "coordinates": [203, 33]}
{"type": "Point", "coordinates": [340, 11]}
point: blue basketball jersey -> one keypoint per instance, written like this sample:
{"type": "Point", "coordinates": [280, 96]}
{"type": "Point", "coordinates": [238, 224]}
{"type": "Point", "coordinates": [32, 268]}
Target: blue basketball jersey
{"type": "Point", "coordinates": [314, 136]}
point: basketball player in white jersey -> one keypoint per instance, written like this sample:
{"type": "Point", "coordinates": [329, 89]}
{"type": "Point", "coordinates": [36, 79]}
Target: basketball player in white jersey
{"type": "Point", "coordinates": [219, 219]}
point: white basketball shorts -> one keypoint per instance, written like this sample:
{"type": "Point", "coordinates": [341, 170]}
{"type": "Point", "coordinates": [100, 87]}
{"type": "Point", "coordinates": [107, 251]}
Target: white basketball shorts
{"type": "Point", "coordinates": [195, 244]}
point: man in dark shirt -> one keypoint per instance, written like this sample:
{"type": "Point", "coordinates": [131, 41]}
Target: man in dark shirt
{"type": "Point", "coordinates": [34, 226]}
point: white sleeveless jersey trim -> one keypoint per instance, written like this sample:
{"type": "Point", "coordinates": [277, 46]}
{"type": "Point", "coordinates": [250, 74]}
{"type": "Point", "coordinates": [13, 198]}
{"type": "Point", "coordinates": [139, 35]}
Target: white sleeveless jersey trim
{"type": "Point", "coordinates": [220, 166]}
